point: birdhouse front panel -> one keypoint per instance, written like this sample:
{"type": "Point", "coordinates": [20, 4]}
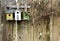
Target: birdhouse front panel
{"type": "Point", "coordinates": [9, 16]}
{"type": "Point", "coordinates": [25, 16]}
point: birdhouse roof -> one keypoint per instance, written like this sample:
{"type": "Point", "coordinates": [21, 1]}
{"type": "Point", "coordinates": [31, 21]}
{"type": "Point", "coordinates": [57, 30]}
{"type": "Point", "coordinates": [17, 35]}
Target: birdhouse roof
{"type": "Point", "coordinates": [9, 11]}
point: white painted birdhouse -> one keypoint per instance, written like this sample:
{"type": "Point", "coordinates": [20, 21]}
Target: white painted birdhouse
{"type": "Point", "coordinates": [17, 15]}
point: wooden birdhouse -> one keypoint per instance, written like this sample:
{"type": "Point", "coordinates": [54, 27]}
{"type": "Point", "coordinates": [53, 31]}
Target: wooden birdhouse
{"type": "Point", "coordinates": [17, 15]}
{"type": "Point", "coordinates": [9, 15]}
{"type": "Point", "coordinates": [25, 16]}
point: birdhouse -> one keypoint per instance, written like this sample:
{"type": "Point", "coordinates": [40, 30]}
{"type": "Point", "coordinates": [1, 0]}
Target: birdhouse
{"type": "Point", "coordinates": [17, 15]}
{"type": "Point", "coordinates": [25, 16]}
{"type": "Point", "coordinates": [9, 16]}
